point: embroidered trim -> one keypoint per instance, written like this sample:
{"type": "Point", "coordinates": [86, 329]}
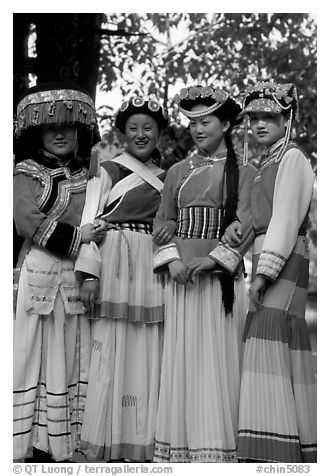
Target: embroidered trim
{"type": "Point", "coordinates": [165, 452]}
{"type": "Point", "coordinates": [165, 254]}
{"type": "Point", "coordinates": [76, 242]}
{"type": "Point", "coordinates": [226, 257]}
{"type": "Point", "coordinates": [270, 264]}
{"type": "Point", "coordinates": [45, 230]}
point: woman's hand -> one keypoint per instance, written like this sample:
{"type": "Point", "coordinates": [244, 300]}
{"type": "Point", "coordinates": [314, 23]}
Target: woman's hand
{"type": "Point", "coordinates": [100, 230]}
{"type": "Point", "coordinates": [233, 234]}
{"type": "Point", "coordinates": [257, 291]}
{"type": "Point", "coordinates": [178, 271]}
{"type": "Point", "coordinates": [200, 265]}
{"type": "Point", "coordinates": [87, 232]}
{"type": "Point", "coordinates": [163, 233]}
{"type": "Point", "coordinates": [88, 293]}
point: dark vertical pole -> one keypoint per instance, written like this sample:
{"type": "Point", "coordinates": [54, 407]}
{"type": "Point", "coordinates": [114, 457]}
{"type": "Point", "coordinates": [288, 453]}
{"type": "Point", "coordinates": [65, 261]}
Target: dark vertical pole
{"type": "Point", "coordinates": [68, 48]}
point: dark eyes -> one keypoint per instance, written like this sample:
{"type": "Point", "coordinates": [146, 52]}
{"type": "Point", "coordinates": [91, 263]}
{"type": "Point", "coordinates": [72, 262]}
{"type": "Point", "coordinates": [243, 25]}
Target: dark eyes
{"type": "Point", "coordinates": [204, 123]}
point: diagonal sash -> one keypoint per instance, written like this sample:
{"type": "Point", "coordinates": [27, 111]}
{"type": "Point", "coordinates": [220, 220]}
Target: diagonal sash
{"type": "Point", "coordinates": [141, 173]}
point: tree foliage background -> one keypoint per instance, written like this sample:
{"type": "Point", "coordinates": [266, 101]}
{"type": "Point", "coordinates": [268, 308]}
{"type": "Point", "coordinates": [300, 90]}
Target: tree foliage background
{"type": "Point", "coordinates": [230, 50]}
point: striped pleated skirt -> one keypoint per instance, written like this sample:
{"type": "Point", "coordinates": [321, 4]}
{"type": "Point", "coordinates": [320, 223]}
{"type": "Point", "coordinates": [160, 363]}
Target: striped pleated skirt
{"type": "Point", "coordinates": [199, 392]}
{"type": "Point", "coordinates": [277, 413]}
{"type": "Point", "coordinates": [50, 367]}
{"type": "Point", "coordinates": [127, 343]}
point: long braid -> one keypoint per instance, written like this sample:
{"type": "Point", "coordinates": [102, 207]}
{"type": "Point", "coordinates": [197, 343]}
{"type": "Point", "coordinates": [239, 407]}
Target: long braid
{"type": "Point", "coordinates": [228, 215]}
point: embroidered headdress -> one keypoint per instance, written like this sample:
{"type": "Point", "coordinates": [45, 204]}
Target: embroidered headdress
{"type": "Point", "coordinates": [216, 100]}
{"type": "Point", "coordinates": [269, 96]}
{"type": "Point", "coordinates": [139, 105]}
{"type": "Point", "coordinates": [56, 104]}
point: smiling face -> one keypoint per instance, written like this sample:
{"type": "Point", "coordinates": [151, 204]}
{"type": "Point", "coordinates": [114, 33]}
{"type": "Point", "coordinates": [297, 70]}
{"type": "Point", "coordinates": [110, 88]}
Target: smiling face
{"type": "Point", "coordinates": [208, 131]}
{"type": "Point", "coordinates": [267, 127]}
{"type": "Point", "coordinates": [60, 141]}
{"type": "Point", "coordinates": [141, 131]}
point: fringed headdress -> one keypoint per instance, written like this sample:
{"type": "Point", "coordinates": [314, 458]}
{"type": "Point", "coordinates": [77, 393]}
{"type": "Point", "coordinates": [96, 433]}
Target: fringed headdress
{"type": "Point", "coordinates": [269, 96]}
{"type": "Point", "coordinates": [57, 104]}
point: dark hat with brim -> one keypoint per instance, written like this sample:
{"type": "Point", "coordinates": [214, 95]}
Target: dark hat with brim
{"type": "Point", "coordinates": [138, 105]}
{"type": "Point", "coordinates": [56, 104]}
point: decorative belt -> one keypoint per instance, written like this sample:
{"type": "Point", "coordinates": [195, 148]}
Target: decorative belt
{"type": "Point", "coordinates": [199, 222]}
{"type": "Point", "coordinates": [139, 227]}
{"type": "Point", "coordinates": [122, 227]}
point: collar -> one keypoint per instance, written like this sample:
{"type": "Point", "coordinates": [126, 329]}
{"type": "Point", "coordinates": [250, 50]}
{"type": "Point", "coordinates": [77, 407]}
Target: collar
{"type": "Point", "coordinates": [274, 147]}
{"type": "Point", "coordinates": [52, 161]}
{"type": "Point", "coordinates": [202, 154]}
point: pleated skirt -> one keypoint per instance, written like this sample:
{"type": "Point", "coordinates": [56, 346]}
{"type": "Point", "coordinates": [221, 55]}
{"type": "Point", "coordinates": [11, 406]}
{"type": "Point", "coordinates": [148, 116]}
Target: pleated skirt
{"type": "Point", "coordinates": [122, 397]}
{"type": "Point", "coordinates": [50, 370]}
{"type": "Point", "coordinates": [277, 414]}
{"type": "Point", "coordinates": [199, 391]}
{"type": "Point", "coordinates": [129, 288]}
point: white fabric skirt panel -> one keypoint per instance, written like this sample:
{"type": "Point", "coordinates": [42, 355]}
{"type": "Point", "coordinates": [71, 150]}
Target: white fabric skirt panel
{"type": "Point", "coordinates": [199, 392]}
{"type": "Point", "coordinates": [129, 288]}
{"type": "Point", "coordinates": [50, 366]}
{"type": "Point", "coordinates": [122, 397]}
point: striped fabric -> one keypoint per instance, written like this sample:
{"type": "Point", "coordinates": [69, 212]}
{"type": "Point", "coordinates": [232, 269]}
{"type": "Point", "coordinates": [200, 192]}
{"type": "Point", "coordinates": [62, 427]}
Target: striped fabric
{"type": "Point", "coordinates": [138, 227]}
{"type": "Point", "coordinates": [129, 288]}
{"type": "Point", "coordinates": [51, 362]}
{"type": "Point", "coordinates": [121, 407]}
{"type": "Point", "coordinates": [199, 222]}
{"type": "Point", "coordinates": [277, 415]}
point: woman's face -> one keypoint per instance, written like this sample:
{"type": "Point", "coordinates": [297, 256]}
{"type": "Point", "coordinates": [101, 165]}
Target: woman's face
{"type": "Point", "coordinates": [60, 141]}
{"type": "Point", "coordinates": [207, 131]}
{"type": "Point", "coordinates": [267, 127]}
{"type": "Point", "coordinates": [141, 131]}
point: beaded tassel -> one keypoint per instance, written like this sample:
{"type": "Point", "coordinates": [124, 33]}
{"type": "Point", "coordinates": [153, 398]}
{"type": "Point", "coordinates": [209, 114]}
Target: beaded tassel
{"type": "Point", "coordinates": [246, 140]}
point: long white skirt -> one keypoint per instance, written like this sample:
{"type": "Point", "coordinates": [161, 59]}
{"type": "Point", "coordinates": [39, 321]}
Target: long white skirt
{"type": "Point", "coordinates": [200, 379]}
{"type": "Point", "coordinates": [121, 407]}
{"type": "Point", "coordinates": [50, 366]}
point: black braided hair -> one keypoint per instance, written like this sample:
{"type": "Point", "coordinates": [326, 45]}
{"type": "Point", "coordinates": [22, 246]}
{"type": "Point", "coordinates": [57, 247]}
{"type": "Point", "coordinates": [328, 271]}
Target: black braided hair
{"type": "Point", "coordinates": [228, 215]}
{"type": "Point", "coordinates": [229, 111]}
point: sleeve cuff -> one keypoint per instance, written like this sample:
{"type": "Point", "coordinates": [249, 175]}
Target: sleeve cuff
{"type": "Point", "coordinates": [270, 264]}
{"type": "Point", "coordinates": [89, 259]}
{"type": "Point", "coordinates": [226, 257]}
{"type": "Point", "coordinates": [76, 241]}
{"type": "Point", "coordinates": [164, 255]}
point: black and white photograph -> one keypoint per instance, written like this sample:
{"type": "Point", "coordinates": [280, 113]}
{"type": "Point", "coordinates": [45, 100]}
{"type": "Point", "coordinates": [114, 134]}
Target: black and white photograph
{"type": "Point", "coordinates": [164, 262]}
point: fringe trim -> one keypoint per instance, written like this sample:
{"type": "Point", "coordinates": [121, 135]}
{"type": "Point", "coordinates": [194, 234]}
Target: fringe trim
{"type": "Point", "coordinates": [55, 112]}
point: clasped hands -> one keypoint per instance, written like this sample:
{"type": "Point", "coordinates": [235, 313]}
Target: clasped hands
{"type": "Point", "coordinates": [232, 237]}
{"type": "Point", "coordinates": [94, 231]}
{"type": "Point", "coordinates": [183, 273]}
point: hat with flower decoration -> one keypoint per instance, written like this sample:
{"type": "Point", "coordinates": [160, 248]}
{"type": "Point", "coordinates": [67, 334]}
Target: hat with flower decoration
{"type": "Point", "coordinates": [271, 97]}
{"type": "Point", "coordinates": [139, 105]}
{"type": "Point", "coordinates": [216, 100]}
{"type": "Point", "coordinates": [56, 104]}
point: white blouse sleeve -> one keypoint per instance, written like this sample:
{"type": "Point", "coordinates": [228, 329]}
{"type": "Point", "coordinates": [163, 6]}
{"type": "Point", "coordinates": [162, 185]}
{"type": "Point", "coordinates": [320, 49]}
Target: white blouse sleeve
{"type": "Point", "coordinates": [98, 189]}
{"type": "Point", "coordinates": [291, 201]}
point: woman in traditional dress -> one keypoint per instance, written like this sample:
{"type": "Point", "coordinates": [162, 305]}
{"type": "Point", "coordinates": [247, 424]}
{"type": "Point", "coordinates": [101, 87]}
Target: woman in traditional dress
{"type": "Point", "coordinates": [277, 417]}
{"type": "Point", "coordinates": [205, 297]}
{"type": "Point", "coordinates": [127, 330]}
{"type": "Point", "coordinates": [56, 128]}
